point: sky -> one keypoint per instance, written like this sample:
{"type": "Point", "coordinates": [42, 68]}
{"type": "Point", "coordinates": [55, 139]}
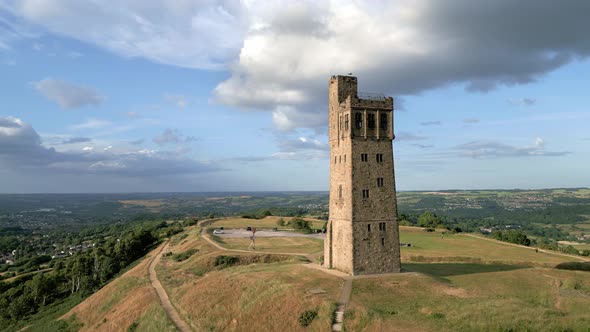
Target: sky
{"type": "Point", "coordinates": [149, 96]}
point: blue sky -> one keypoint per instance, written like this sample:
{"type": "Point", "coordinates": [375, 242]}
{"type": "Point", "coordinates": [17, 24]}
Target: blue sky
{"type": "Point", "coordinates": [231, 96]}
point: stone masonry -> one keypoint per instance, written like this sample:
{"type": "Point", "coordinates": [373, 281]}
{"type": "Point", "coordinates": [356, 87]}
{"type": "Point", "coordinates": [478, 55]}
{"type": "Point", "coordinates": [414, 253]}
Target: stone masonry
{"type": "Point", "coordinates": [362, 235]}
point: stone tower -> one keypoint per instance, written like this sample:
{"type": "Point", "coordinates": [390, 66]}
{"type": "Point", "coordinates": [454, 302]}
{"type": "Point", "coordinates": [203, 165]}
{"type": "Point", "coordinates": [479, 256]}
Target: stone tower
{"type": "Point", "coordinates": [362, 235]}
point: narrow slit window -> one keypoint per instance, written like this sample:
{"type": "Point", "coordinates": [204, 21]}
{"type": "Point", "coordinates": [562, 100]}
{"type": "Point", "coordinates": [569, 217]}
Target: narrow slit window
{"type": "Point", "coordinates": [371, 121]}
{"type": "Point", "coordinates": [383, 122]}
{"type": "Point", "coordinates": [345, 121]}
{"type": "Point", "coordinates": [365, 193]}
{"type": "Point", "coordinates": [340, 191]}
{"type": "Point", "coordinates": [369, 228]}
{"type": "Point", "coordinates": [344, 158]}
{"type": "Point", "coordinates": [358, 120]}
{"type": "Point", "coordinates": [382, 241]}
{"type": "Point", "coordinates": [339, 159]}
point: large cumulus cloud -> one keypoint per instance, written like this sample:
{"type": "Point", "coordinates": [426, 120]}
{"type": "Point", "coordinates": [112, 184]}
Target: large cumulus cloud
{"type": "Point", "coordinates": [280, 55]}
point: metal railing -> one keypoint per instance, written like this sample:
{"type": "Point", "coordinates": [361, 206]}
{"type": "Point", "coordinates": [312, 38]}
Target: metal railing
{"type": "Point", "coordinates": [371, 96]}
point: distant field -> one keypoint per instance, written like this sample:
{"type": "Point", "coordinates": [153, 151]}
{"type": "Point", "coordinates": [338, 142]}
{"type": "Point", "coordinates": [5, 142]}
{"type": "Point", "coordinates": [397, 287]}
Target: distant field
{"type": "Point", "coordinates": [300, 245]}
{"type": "Point", "coordinates": [267, 222]}
{"type": "Point", "coordinates": [152, 205]}
{"type": "Point", "coordinates": [573, 229]}
{"type": "Point", "coordinates": [433, 247]}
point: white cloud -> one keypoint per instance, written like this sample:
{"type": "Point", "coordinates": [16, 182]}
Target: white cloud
{"type": "Point", "coordinates": [178, 100]}
{"type": "Point", "coordinates": [522, 101]}
{"type": "Point", "coordinates": [198, 34]}
{"type": "Point", "coordinates": [173, 136]}
{"type": "Point", "coordinates": [92, 124]}
{"type": "Point", "coordinates": [471, 120]}
{"type": "Point", "coordinates": [486, 149]}
{"type": "Point", "coordinates": [280, 54]}
{"type": "Point", "coordinates": [431, 123]}
{"type": "Point", "coordinates": [68, 95]}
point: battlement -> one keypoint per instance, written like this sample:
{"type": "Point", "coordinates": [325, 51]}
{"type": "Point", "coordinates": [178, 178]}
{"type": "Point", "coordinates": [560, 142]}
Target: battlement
{"type": "Point", "coordinates": [345, 87]}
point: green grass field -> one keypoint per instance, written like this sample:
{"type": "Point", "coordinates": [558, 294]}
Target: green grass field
{"type": "Point", "coordinates": [267, 222]}
{"type": "Point", "coordinates": [468, 297]}
{"type": "Point", "coordinates": [433, 247]}
{"type": "Point", "coordinates": [300, 245]}
{"type": "Point", "coordinates": [471, 284]}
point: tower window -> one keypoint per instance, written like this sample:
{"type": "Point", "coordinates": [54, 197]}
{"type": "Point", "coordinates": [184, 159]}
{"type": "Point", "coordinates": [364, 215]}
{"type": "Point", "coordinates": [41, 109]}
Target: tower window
{"type": "Point", "coordinates": [379, 182]}
{"type": "Point", "coordinates": [364, 157]}
{"type": "Point", "coordinates": [365, 193]}
{"type": "Point", "coordinates": [369, 228]}
{"type": "Point", "coordinates": [382, 226]}
{"type": "Point", "coordinates": [383, 123]}
{"type": "Point", "coordinates": [371, 120]}
{"type": "Point", "coordinates": [339, 159]}
{"type": "Point", "coordinates": [340, 191]}
{"type": "Point", "coordinates": [382, 241]}
{"type": "Point", "coordinates": [335, 158]}
{"type": "Point", "coordinates": [358, 120]}
{"type": "Point", "coordinates": [379, 157]}
{"type": "Point", "coordinates": [346, 121]}
{"type": "Point", "coordinates": [344, 158]}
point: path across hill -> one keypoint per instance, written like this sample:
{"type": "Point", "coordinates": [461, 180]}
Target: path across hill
{"type": "Point", "coordinates": [171, 312]}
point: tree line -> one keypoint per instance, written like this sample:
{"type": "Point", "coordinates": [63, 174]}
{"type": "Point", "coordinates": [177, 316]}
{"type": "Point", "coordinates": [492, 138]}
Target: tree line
{"type": "Point", "coordinates": [80, 274]}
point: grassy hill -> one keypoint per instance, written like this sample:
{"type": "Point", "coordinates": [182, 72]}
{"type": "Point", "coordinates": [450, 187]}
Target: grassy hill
{"type": "Point", "coordinates": [127, 302]}
{"type": "Point", "coordinates": [459, 283]}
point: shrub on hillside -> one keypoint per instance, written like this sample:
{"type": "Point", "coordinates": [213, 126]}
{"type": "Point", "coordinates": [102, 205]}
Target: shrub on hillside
{"type": "Point", "coordinates": [300, 224]}
{"type": "Point", "coordinates": [430, 220]}
{"type": "Point", "coordinates": [570, 250]}
{"type": "Point", "coordinates": [577, 266]}
{"type": "Point", "coordinates": [512, 236]}
{"type": "Point", "coordinates": [225, 261]}
{"type": "Point", "coordinates": [184, 255]}
{"type": "Point", "coordinates": [307, 317]}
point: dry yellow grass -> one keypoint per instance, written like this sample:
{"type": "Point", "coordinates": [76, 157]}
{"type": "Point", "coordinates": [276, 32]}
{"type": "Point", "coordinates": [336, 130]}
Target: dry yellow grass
{"type": "Point", "coordinates": [254, 297]}
{"type": "Point", "coordinates": [258, 298]}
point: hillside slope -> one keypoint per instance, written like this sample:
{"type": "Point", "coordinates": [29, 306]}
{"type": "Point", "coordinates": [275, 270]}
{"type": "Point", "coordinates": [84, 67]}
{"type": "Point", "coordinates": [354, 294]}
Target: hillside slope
{"type": "Point", "coordinates": [458, 282]}
{"type": "Point", "coordinates": [126, 301]}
